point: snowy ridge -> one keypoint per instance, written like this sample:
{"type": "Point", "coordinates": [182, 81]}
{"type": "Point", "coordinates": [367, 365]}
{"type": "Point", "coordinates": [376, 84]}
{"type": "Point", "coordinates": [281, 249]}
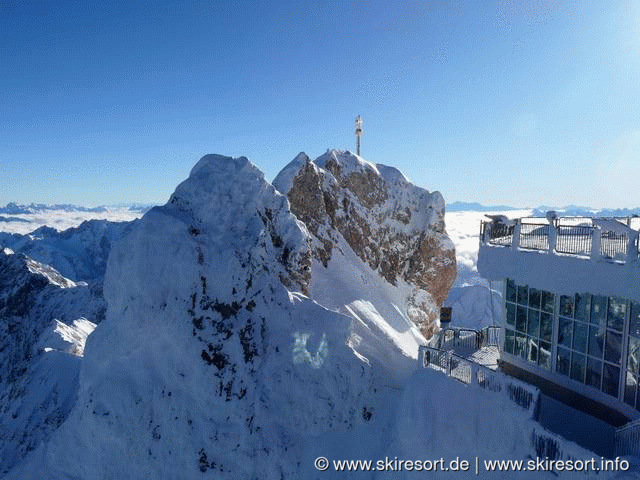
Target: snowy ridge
{"type": "Point", "coordinates": [78, 253]}
{"type": "Point", "coordinates": [38, 375]}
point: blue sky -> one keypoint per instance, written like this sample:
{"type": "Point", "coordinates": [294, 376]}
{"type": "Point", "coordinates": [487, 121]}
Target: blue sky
{"type": "Point", "coordinates": [492, 102]}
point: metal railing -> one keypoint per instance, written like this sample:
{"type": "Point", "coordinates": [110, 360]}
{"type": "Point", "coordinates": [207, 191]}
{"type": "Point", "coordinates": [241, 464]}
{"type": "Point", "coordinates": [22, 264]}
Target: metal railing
{"type": "Point", "coordinates": [470, 372]}
{"type": "Point", "coordinates": [490, 336]}
{"type": "Point", "coordinates": [451, 338]}
{"type": "Point", "coordinates": [547, 445]}
{"type": "Point", "coordinates": [574, 239]}
{"type": "Point", "coordinates": [627, 439]}
{"type": "Point", "coordinates": [573, 236]}
{"type": "Point", "coordinates": [497, 233]}
{"type": "Point", "coordinates": [534, 236]}
{"type": "Point", "coordinates": [468, 338]}
{"type": "Point", "coordinates": [613, 244]}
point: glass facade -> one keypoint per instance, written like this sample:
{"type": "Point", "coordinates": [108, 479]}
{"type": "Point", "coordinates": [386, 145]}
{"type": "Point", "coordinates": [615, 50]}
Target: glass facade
{"type": "Point", "coordinates": [590, 337]}
{"type": "Point", "coordinates": [590, 340]}
{"type": "Point", "coordinates": [529, 324]}
{"type": "Point", "coordinates": [631, 393]}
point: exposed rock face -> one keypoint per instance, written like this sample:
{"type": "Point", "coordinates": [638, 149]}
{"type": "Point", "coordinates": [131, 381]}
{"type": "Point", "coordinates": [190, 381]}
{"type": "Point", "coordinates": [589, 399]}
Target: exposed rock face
{"type": "Point", "coordinates": [392, 225]}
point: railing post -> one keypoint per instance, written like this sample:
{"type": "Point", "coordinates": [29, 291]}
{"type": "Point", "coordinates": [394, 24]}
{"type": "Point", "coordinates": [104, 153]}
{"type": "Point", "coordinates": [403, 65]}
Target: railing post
{"type": "Point", "coordinates": [448, 357]}
{"type": "Point", "coordinates": [596, 242]}
{"type": "Point", "coordinates": [515, 241]}
{"type": "Point", "coordinates": [553, 237]}
{"type": "Point", "coordinates": [483, 231]}
{"type": "Point", "coordinates": [421, 354]}
{"type": "Point", "coordinates": [632, 247]}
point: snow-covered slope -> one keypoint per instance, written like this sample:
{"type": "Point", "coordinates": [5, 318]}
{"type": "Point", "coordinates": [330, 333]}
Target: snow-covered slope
{"type": "Point", "coordinates": [39, 351]}
{"type": "Point", "coordinates": [79, 253]}
{"type": "Point", "coordinates": [379, 237]}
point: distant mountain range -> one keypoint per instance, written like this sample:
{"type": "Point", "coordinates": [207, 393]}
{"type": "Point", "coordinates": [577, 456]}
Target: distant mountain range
{"type": "Point", "coordinates": [569, 210]}
{"type": "Point", "coordinates": [21, 209]}
{"type": "Point", "coordinates": [475, 206]}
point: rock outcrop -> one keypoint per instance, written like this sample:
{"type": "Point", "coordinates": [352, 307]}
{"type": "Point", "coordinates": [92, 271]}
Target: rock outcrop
{"type": "Point", "coordinates": [393, 226]}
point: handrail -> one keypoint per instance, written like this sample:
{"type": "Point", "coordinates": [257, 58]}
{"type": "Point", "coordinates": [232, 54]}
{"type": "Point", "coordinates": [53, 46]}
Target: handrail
{"type": "Point", "coordinates": [452, 337]}
{"type": "Point", "coordinates": [627, 439]}
{"type": "Point", "coordinates": [565, 236]}
{"type": "Point", "coordinates": [470, 372]}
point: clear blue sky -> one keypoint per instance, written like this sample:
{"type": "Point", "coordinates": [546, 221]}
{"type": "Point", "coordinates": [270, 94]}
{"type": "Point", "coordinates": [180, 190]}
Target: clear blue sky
{"type": "Point", "coordinates": [485, 101]}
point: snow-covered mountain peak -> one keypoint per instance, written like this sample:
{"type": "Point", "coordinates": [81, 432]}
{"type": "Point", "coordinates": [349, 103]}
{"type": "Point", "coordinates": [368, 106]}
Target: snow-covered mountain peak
{"type": "Point", "coordinates": [393, 226]}
{"type": "Point", "coordinates": [229, 197]}
{"type": "Point", "coordinates": [345, 161]}
{"type": "Point", "coordinates": [229, 219]}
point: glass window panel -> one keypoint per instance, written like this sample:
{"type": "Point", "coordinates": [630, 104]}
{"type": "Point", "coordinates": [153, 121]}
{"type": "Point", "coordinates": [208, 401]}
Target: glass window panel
{"type": "Point", "coordinates": [533, 324]}
{"type": "Point", "coordinates": [583, 306]}
{"type": "Point", "coordinates": [535, 297]}
{"type": "Point", "coordinates": [633, 354]}
{"type": "Point", "coordinates": [547, 301]}
{"type": "Point", "coordinates": [563, 363]}
{"type": "Point", "coordinates": [523, 294]}
{"type": "Point", "coordinates": [610, 379]}
{"type": "Point", "coordinates": [532, 349]}
{"type": "Point", "coordinates": [598, 309]}
{"type": "Point", "coordinates": [508, 340]}
{"type": "Point", "coordinates": [565, 331]}
{"type": "Point", "coordinates": [577, 367]}
{"type": "Point", "coordinates": [596, 340]}
{"type": "Point", "coordinates": [617, 310]}
{"type": "Point", "coordinates": [546, 326]}
{"type": "Point", "coordinates": [613, 347]}
{"type": "Point", "coordinates": [511, 291]}
{"type": "Point", "coordinates": [630, 387]}
{"type": "Point", "coordinates": [634, 320]}
{"type": "Point", "coordinates": [566, 306]}
{"type": "Point", "coordinates": [594, 367]}
{"type": "Point", "coordinates": [521, 319]}
{"type": "Point", "coordinates": [544, 355]}
{"type": "Point", "coordinates": [580, 336]}
{"type": "Point", "coordinates": [511, 314]}
{"type": "Point", "coordinates": [521, 345]}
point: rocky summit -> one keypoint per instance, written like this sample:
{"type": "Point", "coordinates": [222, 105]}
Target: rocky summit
{"type": "Point", "coordinates": [393, 226]}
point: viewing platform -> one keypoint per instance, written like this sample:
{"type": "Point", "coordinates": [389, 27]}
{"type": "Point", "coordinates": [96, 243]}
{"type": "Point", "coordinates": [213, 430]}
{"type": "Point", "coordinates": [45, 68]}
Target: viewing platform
{"type": "Point", "coordinates": [564, 255]}
{"type": "Point", "coordinates": [613, 239]}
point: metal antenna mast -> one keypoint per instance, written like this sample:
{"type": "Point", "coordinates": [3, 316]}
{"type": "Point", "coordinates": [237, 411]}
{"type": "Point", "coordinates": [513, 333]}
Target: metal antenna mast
{"type": "Point", "coordinates": [358, 133]}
